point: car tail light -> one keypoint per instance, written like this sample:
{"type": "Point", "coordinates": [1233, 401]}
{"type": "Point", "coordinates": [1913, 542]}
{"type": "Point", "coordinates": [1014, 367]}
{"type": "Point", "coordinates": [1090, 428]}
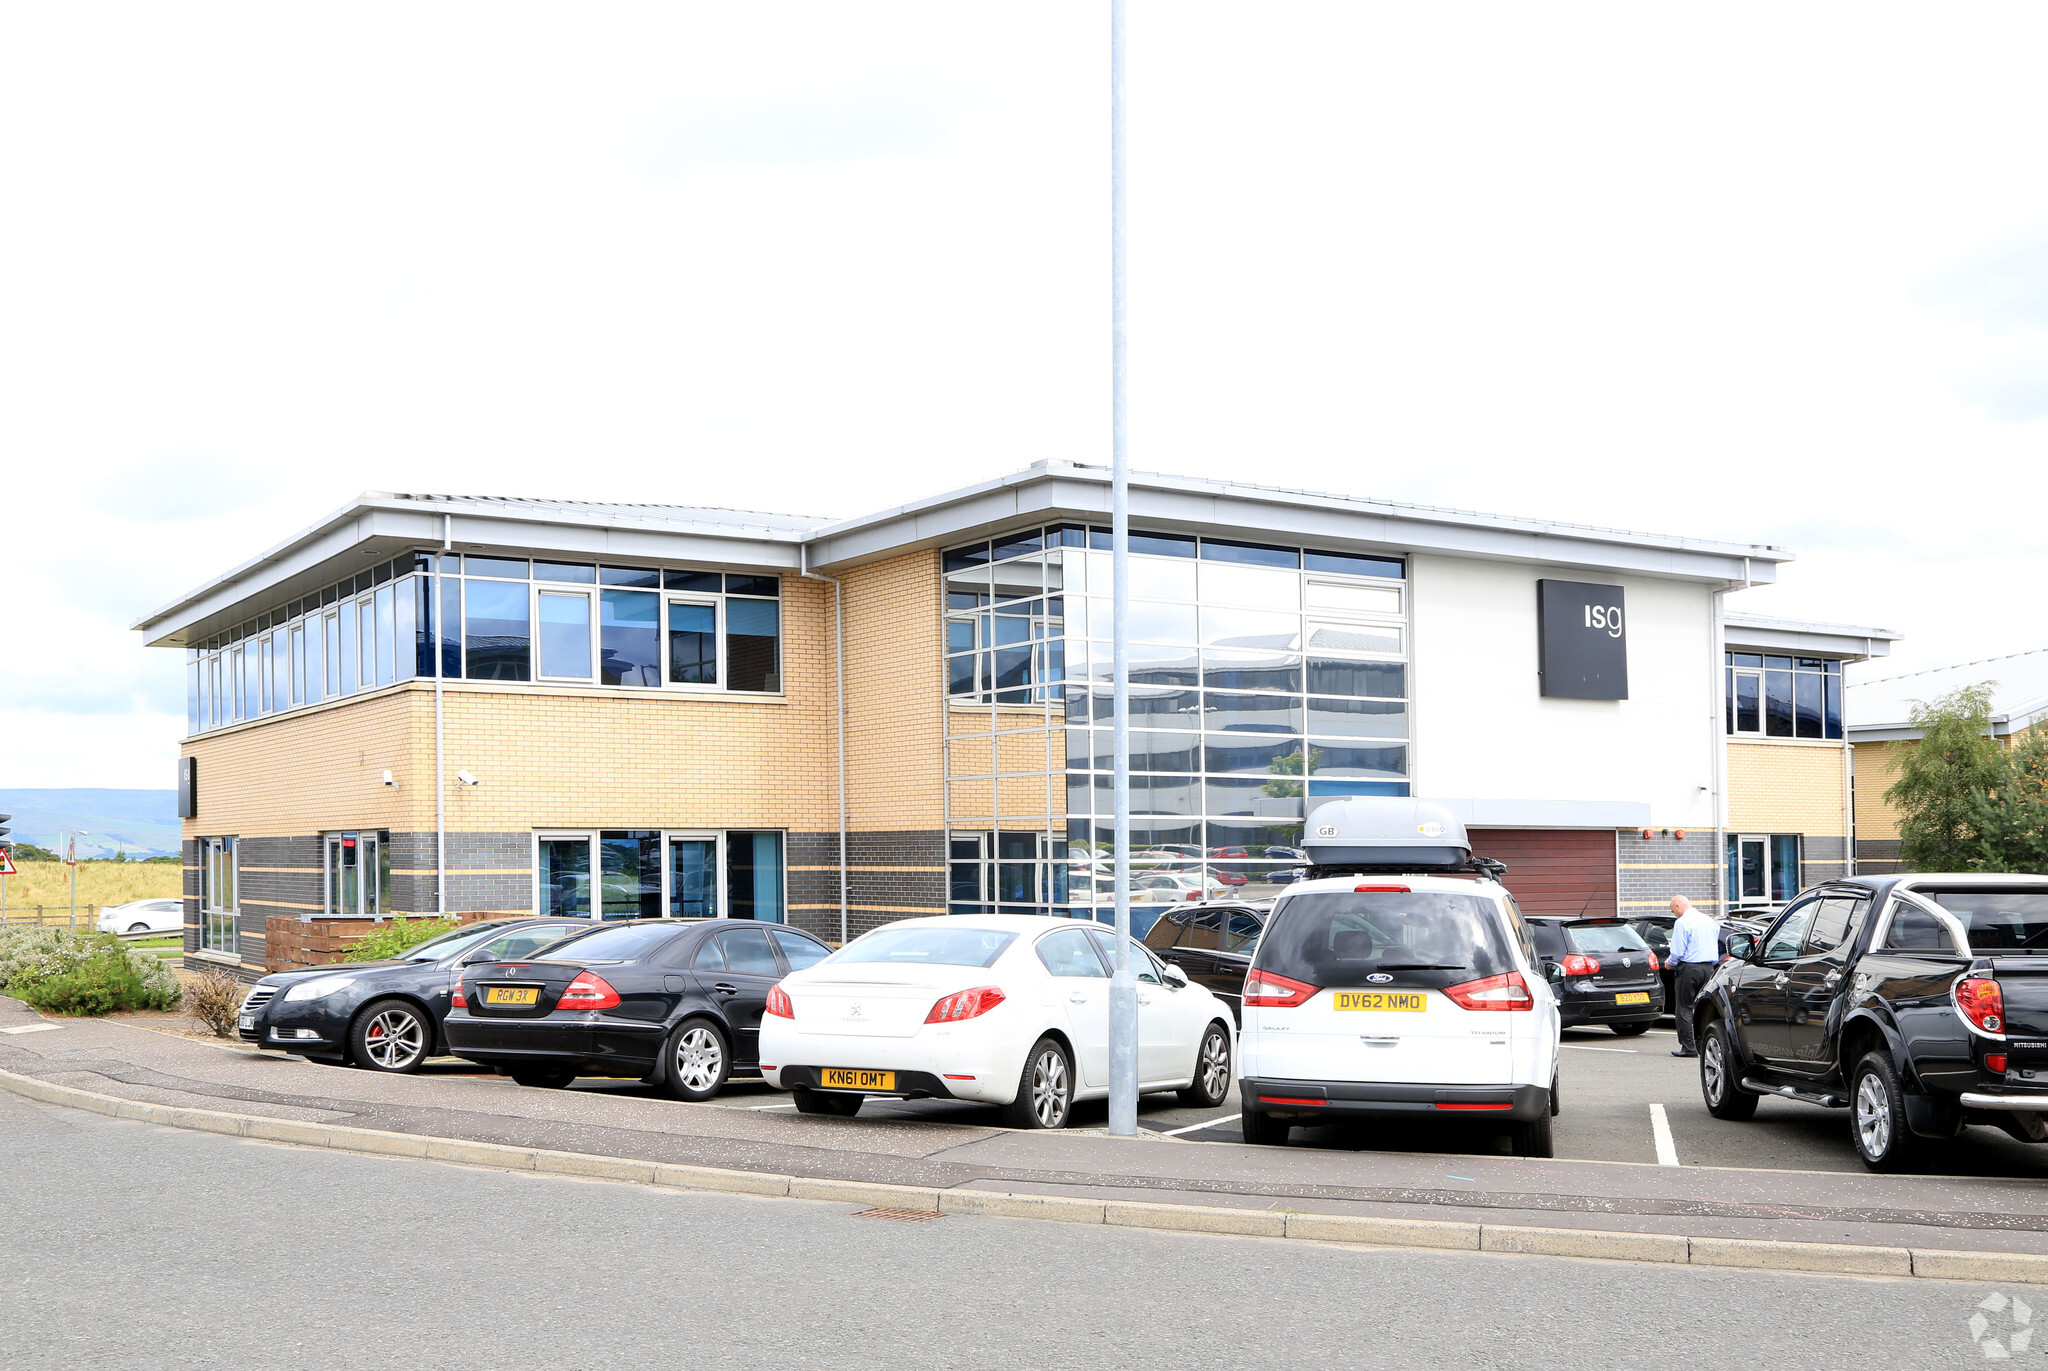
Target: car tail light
{"type": "Point", "coordinates": [1579, 964]}
{"type": "Point", "coordinates": [1380, 890]}
{"type": "Point", "coordinates": [456, 999]}
{"type": "Point", "coordinates": [1270, 990]}
{"type": "Point", "coordinates": [1194, 894]}
{"type": "Point", "coordinates": [966, 1004]}
{"type": "Point", "coordinates": [1995, 1061]}
{"type": "Point", "coordinates": [1981, 1003]}
{"type": "Point", "coordinates": [588, 991]}
{"type": "Point", "coordinates": [1655, 965]}
{"type": "Point", "coordinates": [1506, 991]}
{"type": "Point", "coordinates": [779, 1005]}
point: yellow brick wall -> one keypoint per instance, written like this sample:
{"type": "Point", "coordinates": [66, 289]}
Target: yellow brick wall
{"type": "Point", "coordinates": [316, 770]}
{"type": "Point", "coordinates": [1787, 788]}
{"type": "Point", "coordinates": [895, 694]}
{"type": "Point", "coordinates": [1877, 767]}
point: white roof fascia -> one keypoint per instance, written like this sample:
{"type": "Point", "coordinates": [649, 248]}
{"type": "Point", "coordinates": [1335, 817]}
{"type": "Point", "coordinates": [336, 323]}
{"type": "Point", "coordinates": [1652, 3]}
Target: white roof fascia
{"type": "Point", "coordinates": [377, 525]}
{"type": "Point", "coordinates": [2002, 726]}
{"type": "Point", "coordinates": [1849, 642]}
{"type": "Point", "coordinates": [1060, 490]}
{"type": "Point", "coordinates": [1480, 813]}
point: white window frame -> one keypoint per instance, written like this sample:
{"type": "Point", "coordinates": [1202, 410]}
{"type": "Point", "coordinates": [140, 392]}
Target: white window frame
{"type": "Point", "coordinates": [717, 604]}
{"type": "Point", "coordinates": [220, 924]}
{"type": "Point", "coordinates": [568, 590]}
{"type": "Point", "coordinates": [371, 897]}
{"type": "Point", "coordinates": [1735, 731]}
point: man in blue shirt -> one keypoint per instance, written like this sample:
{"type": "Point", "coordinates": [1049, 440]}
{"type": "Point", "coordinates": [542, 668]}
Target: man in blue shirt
{"type": "Point", "coordinates": [1695, 951]}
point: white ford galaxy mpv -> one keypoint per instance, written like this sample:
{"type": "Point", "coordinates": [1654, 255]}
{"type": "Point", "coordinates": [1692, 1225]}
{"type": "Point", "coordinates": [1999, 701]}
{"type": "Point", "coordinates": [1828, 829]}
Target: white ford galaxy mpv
{"type": "Point", "coordinates": [1387, 988]}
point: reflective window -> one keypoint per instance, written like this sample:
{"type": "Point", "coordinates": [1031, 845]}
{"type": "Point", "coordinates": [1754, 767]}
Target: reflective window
{"type": "Point", "coordinates": [753, 645]}
{"type": "Point", "coordinates": [798, 950]}
{"type": "Point", "coordinates": [564, 571]}
{"type": "Point", "coordinates": [1783, 697]}
{"type": "Point", "coordinates": [1070, 955]}
{"type": "Point", "coordinates": [747, 952]}
{"type": "Point", "coordinates": [565, 635]}
{"type": "Point", "coordinates": [495, 636]}
{"type": "Point", "coordinates": [629, 652]}
{"type": "Point", "coordinates": [692, 643]}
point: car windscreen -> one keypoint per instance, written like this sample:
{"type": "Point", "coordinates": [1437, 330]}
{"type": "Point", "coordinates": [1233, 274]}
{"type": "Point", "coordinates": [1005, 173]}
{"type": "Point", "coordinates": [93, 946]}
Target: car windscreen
{"type": "Point", "coordinates": [927, 945]}
{"type": "Point", "coordinates": [2007, 919]}
{"type": "Point", "coordinates": [1594, 939]}
{"type": "Point", "coordinates": [448, 944]}
{"type": "Point", "coordinates": [1340, 937]}
{"type": "Point", "coordinates": [626, 944]}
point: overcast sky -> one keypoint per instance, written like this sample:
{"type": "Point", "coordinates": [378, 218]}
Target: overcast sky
{"type": "Point", "coordinates": [1757, 272]}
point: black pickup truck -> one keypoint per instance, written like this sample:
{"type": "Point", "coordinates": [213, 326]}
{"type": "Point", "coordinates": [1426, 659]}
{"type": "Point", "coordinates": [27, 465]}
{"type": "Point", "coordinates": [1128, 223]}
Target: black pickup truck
{"type": "Point", "coordinates": [1919, 1003]}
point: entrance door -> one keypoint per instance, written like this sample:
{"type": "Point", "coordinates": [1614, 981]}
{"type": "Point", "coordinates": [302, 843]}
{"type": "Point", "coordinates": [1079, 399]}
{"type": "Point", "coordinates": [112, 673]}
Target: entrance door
{"type": "Point", "coordinates": [355, 876]}
{"type": "Point", "coordinates": [1752, 869]}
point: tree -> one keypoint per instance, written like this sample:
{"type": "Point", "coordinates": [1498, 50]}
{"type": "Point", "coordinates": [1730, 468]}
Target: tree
{"type": "Point", "coordinates": [1946, 780]}
{"type": "Point", "coordinates": [29, 852]}
{"type": "Point", "coordinates": [1293, 764]}
{"type": "Point", "coordinates": [2012, 821]}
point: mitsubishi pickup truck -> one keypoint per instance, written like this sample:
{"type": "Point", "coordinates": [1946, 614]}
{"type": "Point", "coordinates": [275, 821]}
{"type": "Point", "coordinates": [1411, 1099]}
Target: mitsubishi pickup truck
{"type": "Point", "coordinates": [1919, 1003]}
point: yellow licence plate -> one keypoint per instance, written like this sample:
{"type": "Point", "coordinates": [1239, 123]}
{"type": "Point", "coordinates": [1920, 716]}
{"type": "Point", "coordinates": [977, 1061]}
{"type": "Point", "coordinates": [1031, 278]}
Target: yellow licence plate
{"type": "Point", "coordinates": [840, 1078]}
{"type": "Point", "coordinates": [1399, 1001]}
{"type": "Point", "coordinates": [1633, 997]}
{"type": "Point", "coordinates": [499, 994]}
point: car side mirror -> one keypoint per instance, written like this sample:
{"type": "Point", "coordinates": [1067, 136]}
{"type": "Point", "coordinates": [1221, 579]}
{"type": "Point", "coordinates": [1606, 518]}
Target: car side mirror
{"type": "Point", "coordinates": [1742, 946]}
{"type": "Point", "coordinates": [481, 955]}
{"type": "Point", "coordinates": [1552, 972]}
{"type": "Point", "coordinates": [1175, 977]}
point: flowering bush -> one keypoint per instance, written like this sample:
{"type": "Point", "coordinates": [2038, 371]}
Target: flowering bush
{"type": "Point", "coordinates": [82, 973]}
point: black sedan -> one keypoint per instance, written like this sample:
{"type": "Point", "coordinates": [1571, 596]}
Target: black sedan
{"type": "Point", "coordinates": [1213, 944]}
{"type": "Point", "coordinates": [1606, 973]}
{"type": "Point", "coordinates": [385, 1016]}
{"type": "Point", "coordinates": [673, 1002]}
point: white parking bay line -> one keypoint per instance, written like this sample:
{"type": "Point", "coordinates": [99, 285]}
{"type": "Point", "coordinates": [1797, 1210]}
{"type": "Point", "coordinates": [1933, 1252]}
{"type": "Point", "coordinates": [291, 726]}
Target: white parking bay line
{"type": "Point", "coordinates": [758, 1107]}
{"type": "Point", "coordinates": [1582, 1047]}
{"type": "Point", "coordinates": [1660, 1129]}
{"type": "Point", "coordinates": [1198, 1127]}
{"type": "Point", "coordinates": [33, 1028]}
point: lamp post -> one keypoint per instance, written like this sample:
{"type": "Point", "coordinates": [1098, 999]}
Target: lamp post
{"type": "Point", "coordinates": [1123, 987]}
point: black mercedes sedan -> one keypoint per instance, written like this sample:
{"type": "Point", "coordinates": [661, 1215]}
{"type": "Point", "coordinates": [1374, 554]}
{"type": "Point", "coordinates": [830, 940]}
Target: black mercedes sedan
{"type": "Point", "coordinates": [386, 1015]}
{"type": "Point", "coordinates": [1607, 973]}
{"type": "Point", "coordinates": [673, 1002]}
{"type": "Point", "coordinates": [1213, 944]}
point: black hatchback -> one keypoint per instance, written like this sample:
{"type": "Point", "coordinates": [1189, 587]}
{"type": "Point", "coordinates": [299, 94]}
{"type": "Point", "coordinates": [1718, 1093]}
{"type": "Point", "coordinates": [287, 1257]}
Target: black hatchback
{"type": "Point", "coordinates": [672, 1002]}
{"type": "Point", "coordinates": [1213, 944]}
{"type": "Point", "coordinates": [1610, 975]}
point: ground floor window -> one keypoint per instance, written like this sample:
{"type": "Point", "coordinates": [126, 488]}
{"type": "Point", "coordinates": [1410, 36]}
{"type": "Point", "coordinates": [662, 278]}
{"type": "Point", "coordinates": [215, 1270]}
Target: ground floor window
{"type": "Point", "coordinates": [219, 900]}
{"type": "Point", "coordinates": [1762, 867]}
{"type": "Point", "coordinates": [653, 873]}
{"type": "Point", "coordinates": [357, 871]}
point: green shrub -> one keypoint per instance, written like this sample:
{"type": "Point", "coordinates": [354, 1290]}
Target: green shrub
{"type": "Point", "coordinates": [64, 972]}
{"type": "Point", "coordinates": [394, 938]}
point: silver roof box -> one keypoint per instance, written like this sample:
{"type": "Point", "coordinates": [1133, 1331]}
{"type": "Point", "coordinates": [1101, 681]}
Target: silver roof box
{"type": "Point", "coordinates": [1386, 830]}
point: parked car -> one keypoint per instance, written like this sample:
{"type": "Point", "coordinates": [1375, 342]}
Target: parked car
{"type": "Point", "coordinates": [144, 916]}
{"type": "Point", "coordinates": [1213, 944]}
{"type": "Point", "coordinates": [1008, 1010]}
{"type": "Point", "coordinates": [1919, 1003]}
{"type": "Point", "coordinates": [673, 1002]}
{"type": "Point", "coordinates": [1610, 974]}
{"type": "Point", "coordinates": [387, 1015]}
{"type": "Point", "coordinates": [1655, 929]}
{"type": "Point", "coordinates": [1172, 887]}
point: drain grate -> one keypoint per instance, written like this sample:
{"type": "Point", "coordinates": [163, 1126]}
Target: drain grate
{"type": "Point", "coordinates": [899, 1215]}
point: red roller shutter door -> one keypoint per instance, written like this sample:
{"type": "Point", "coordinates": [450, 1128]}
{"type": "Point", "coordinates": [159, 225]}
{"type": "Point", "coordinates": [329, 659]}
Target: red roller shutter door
{"type": "Point", "coordinates": [1554, 871]}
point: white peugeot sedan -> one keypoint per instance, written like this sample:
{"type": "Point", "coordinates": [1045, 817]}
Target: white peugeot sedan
{"type": "Point", "coordinates": [1388, 998]}
{"type": "Point", "coordinates": [143, 916]}
{"type": "Point", "coordinates": [1009, 1010]}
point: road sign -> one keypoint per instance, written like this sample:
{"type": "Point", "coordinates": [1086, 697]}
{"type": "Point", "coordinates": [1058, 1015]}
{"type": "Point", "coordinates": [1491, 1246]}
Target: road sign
{"type": "Point", "coordinates": [6, 863]}
{"type": "Point", "coordinates": [71, 849]}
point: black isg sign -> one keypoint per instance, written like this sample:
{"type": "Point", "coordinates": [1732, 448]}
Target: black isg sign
{"type": "Point", "coordinates": [1582, 641]}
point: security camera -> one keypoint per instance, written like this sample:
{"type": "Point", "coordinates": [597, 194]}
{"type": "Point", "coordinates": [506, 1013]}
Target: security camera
{"type": "Point", "coordinates": [388, 780]}
{"type": "Point", "coordinates": [465, 778]}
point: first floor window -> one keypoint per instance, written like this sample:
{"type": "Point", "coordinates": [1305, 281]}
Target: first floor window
{"type": "Point", "coordinates": [1763, 868]}
{"type": "Point", "coordinates": [219, 905]}
{"type": "Point", "coordinates": [649, 873]}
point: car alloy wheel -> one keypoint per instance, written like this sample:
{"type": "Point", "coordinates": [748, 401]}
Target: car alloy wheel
{"type": "Point", "coordinates": [1215, 1069]}
{"type": "Point", "coordinates": [1714, 1069]}
{"type": "Point", "coordinates": [395, 1038]}
{"type": "Point", "coordinates": [1873, 1116]}
{"type": "Point", "coordinates": [700, 1058]}
{"type": "Point", "coordinates": [1051, 1089]}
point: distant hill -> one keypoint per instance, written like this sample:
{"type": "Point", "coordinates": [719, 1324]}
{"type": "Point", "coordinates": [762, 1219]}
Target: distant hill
{"type": "Point", "coordinates": [143, 823]}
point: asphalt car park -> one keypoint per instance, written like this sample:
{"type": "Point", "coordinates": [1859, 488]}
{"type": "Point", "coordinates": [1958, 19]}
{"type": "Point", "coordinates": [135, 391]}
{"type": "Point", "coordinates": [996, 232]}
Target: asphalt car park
{"type": "Point", "coordinates": [1613, 1093]}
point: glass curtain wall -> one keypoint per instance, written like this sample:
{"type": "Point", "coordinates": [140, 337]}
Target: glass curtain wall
{"type": "Point", "coordinates": [1263, 679]}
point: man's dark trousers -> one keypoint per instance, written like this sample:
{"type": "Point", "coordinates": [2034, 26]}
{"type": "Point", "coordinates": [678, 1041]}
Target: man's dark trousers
{"type": "Point", "coordinates": [1692, 979]}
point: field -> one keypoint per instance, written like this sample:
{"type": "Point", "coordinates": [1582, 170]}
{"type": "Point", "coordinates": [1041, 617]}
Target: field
{"type": "Point", "coordinates": [99, 883]}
